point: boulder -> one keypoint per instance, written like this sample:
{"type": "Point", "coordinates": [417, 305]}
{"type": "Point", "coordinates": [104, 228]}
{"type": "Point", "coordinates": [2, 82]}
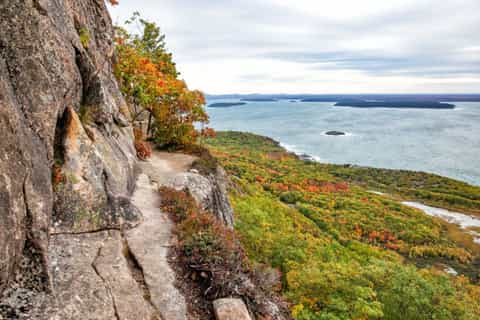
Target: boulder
{"type": "Point", "coordinates": [209, 191]}
{"type": "Point", "coordinates": [230, 309]}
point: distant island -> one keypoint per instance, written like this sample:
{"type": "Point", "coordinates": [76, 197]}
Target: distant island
{"type": "Point", "coordinates": [259, 99]}
{"type": "Point", "coordinates": [395, 104]}
{"type": "Point", "coordinates": [226, 104]}
{"type": "Point", "coordinates": [335, 133]}
{"type": "Point", "coordinates": [356, 103]}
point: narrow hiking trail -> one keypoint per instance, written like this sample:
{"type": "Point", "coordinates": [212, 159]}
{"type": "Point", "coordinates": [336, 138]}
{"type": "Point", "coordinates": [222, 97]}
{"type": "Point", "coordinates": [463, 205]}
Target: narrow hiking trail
{"type": "Point", "coordinates": [120, 275]}
{"type": "Point", "coordinates": [150, 241]}
{"type": "Point", "coordinates": [124, 274]}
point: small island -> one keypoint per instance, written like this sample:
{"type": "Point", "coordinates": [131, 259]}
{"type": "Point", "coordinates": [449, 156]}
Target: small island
{"type": "Point", "coordinates": [335, 133]}
{"type": "Point", "coordinates": [395, 104]}
{"type": "Point", "coordinates": [226, 104]}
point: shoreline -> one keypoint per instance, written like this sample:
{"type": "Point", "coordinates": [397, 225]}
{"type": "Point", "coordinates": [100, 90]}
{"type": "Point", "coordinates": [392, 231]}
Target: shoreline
{"type": "Point", "coordinates": [299, 154]}
{"type": "Point", "coordinates": [308, 157]}
{"type": "Point", "coordinates": [466, 222]}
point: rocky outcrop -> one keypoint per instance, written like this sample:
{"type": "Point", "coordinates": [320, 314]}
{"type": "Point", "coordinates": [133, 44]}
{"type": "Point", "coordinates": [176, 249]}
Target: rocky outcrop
{"type": "Point", "coordinates": [220, 204]}
{"type": "Point", "coordinates": [91, 279]}
{"type": "Point", "coordinates": [210, 191]}
{"type": "Point", "coordinates": [93, 193]}
{"type": "Point", "coordinates": [60, 117]}
{"type": "Point", "coordinates": [230, 309]}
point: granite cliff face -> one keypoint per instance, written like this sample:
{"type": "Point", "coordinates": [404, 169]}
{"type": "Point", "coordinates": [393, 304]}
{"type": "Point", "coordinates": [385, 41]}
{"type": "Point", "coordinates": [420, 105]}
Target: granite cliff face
{"type": "Point", "coordinates": [61, 116]}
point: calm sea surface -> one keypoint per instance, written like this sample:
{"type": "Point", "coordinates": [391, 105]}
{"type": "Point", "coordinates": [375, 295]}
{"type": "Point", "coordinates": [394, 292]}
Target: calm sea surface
{"type": "Point", "coordinates": [446, 142]}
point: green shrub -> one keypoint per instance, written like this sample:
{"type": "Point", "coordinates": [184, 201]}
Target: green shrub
{"type": "Point", "coordinates": [84, 36]}
{"type": "Point", "coordinates": [291, 197]}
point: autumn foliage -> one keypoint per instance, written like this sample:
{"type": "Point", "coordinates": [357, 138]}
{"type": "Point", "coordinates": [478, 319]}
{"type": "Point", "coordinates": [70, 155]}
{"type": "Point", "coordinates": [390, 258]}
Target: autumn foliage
{"type": "Point", "coordinates": [208, 133]}
{"type": "Point", "coordinates": [150, 82]}
{"type": "Point", "coordinates": [143, 149]}
{"type": "Point", "coordinates": [344, 252]}
{"type": "Point", "coordinates": [213, 257]}
{"type": "Point", "coordinates": [57, 175]}
{"type": "Point", "coordinates": [209, 249]}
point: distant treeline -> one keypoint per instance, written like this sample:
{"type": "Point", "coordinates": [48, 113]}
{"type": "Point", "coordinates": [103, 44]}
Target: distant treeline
{"type": "Point", "coordinates": [341, 97]}
{"type": "Point", "coordinates": [265, 99]}
{"type": "Point", "coordinates": [395, 104]}
{"type": "Point", "coordinates": [225, 104]}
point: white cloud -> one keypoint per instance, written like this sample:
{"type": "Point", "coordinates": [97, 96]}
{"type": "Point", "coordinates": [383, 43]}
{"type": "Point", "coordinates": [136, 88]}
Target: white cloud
{"type": "Point", "coordinates": [320, 46]}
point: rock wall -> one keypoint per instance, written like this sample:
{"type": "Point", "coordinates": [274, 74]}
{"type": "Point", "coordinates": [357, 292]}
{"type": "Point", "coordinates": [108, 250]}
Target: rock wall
{"type": "Point", "coordinates": [61, 116]}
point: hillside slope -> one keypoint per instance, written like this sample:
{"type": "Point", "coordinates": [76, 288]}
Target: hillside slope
{"type": "Point", "coordinates": [346, 252]}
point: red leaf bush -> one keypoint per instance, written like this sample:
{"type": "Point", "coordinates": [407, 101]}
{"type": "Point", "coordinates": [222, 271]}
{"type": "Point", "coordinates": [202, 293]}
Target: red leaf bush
{"type": "Point", "coordinates": [144, 151]}
{"type": "Point", "coordinates": [212, 256]}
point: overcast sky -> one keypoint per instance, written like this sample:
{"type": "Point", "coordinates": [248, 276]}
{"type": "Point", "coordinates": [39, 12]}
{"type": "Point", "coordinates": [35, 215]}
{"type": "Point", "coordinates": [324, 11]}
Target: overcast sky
{"type": "Point", "coordinates": [320, 46]}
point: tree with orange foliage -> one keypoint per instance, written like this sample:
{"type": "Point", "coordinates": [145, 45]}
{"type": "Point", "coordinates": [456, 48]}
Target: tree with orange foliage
{"type": "Point", "coordinates": [150, 82]}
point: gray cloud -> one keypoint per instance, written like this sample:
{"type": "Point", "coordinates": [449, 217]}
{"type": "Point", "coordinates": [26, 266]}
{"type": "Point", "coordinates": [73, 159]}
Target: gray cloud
{"type": "Point", "coordinates": [425, 38]}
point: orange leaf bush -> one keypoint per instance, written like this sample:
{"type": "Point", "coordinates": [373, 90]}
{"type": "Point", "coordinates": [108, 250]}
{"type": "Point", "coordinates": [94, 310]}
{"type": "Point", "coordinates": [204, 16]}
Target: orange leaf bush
{"type": "Point", "coordinates": [143, 149]}
{"type": "Point", "coordinates": [57, 175]}
{"type": "Point", "coordinates": [151, 85]}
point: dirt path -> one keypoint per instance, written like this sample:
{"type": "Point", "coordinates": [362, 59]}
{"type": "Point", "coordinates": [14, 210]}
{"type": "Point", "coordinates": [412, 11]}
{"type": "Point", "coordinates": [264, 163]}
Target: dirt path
{"type": "Point", "coordinates": [150, 241]}
{"type": "Point", "coordinates": [162, 166]}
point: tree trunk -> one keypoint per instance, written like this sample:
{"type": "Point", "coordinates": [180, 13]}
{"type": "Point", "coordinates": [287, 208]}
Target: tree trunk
{"type": "Point", "coordinates": [149, 126]}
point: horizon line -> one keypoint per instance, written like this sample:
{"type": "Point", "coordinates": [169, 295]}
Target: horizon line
{"type": "Point", "coordinates": [332, 94]}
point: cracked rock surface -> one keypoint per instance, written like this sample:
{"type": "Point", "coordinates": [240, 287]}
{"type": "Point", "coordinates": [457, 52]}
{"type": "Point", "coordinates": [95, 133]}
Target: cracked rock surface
{"type": "Point", "coordinates": [149, 243]}
{"type": "Point", "coordinates": [78, 289]}
{"type": "Point", "coordinates": [119, 274]}
{"type": "Point", "coordinates": [125, 284]}
{"type": "Point", "coordinates": [47, 79]}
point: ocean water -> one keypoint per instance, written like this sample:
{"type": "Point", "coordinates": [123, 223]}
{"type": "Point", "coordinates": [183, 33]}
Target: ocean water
{"type": "Point", "coordinates": [445, 142]}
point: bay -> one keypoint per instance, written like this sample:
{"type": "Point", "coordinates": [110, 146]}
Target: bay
{"type": "Point", "coordinates": [445, 142]}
